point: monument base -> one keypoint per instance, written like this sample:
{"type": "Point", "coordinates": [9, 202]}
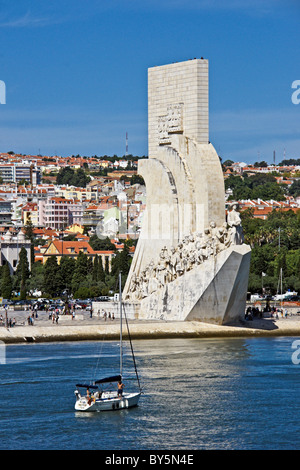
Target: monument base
{"type": "Point", "coordinates": [213, 292]}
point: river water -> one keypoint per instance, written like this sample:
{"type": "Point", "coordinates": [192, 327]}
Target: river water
{"type": "Point", "coordinates": [198, 394]}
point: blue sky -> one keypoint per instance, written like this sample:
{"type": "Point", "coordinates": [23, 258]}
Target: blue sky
{"type": "Point", "coordinates": [76, 73]}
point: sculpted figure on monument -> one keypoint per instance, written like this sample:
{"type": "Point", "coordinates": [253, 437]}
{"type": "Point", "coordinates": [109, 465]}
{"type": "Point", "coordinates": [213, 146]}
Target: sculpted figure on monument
{"type": "Point", "coordinates": [234, 222]}
{"type": "Point", "coordinates": [138, 290]}
{"type": "Point", "coordinates": [161, 269]}
{"type": "Point", "coordinates": [186, 254]}
{"type": "Point", "coordinates": [226, 235]}
{"type": "Point", "coordinates": [179, 265]}
{"type": "Point", "coordinates": [222, 236]}
{"type": "Point", "coordinates": [193, 257]}
{"type": "Point", "coordinates": [208, 242]}
{"type": "Point", "coordinates": [144, 284]}
{"type": "Point", "coordinates": [174, 261]}
{"type": "Point", "coordinates": [133, 291]}
{"type": "Point", "coordinates": [202, 252]}
{"type": "Point", "coordinates": [218, 237]}
{"type": "Point", "coordinates": [169, 269]}
{"type": "Point", "coordinates": [152, 283]}
{"type": "Point", "coordinates": [191, 242]}
{"type": "Point", "coordinates": [214, 238]}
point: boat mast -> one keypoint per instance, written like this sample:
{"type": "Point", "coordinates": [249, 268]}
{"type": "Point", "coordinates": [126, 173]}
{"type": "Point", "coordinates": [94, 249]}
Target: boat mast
{"type": "Point", "coordinates": [281, 287]}
{"type": "Point", "coordinates": [120, 309]}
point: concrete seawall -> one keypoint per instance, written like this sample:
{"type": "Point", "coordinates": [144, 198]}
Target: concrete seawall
{"type": "Point", "coordinates": [147, 330]}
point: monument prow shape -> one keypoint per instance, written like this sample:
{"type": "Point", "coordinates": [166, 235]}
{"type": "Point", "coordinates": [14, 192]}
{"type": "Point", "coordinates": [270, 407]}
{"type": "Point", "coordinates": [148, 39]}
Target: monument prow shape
{"type": "Point", "coordinates": [190, 262]}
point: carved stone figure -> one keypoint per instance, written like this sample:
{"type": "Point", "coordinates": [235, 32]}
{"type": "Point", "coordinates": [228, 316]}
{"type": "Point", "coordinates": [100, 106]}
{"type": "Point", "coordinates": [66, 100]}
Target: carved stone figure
{"type": "Point", "coordinates": [185, 255]}
{"type": "Point", "coordinates": [174, 261]}
{"type": "Point", "coordinates": [226, 235]}
{"type": "Point", "coordinates": [161, 269]}
{"type": "Point", "coordinates": [234, 222]}
{"type": "Point", "coordinates": [152, 283]}
{"type": "Point", "coordinates": [134, 291]}
{"type": "Point", "coordinates": [201, 252]}
{"type": "Point", "coordinates": [144, 284]}
{"type": "Point", "coordinates": [192, 251]}
{"type": "Point", "coordinates": [217, 234]}
{"type": "Point", "coordinates": [207, 242]}
{"type": "Point", "coordinates": [179, 264]}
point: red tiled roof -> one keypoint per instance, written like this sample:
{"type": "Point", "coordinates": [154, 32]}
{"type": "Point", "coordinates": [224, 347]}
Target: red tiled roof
{"type": "Point", "coordinates": [65, 247]}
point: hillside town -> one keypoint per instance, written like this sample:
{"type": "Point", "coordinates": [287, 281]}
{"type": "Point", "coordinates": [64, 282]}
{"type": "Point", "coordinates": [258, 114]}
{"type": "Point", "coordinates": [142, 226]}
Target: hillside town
{"type": "Point", "coordinates": [58, 206]}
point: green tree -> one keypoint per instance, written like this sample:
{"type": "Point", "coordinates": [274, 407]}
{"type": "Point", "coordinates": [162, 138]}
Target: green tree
{"type": "Point", "coordinates": [101, 244]}
{"type": "Point", "coordinates": [101, 273]}
{"type": "Point", "coordinates": [275, 246]}
{"type": "Point", "coordinates": [95, 269]}
{"type": "Point", "coordinates": [73, 177]}
{"type": "Point", "coordinates": [106, 265]}
{"type": "Point", "coordinates": [268, 191]}
{"type": "Point", "coordinates": [36, 280]}
{"type": "Point", "coordinates": [137, 179]}
{"type": "Point", "coordinates": [66, 268]}
{"type": "Point", "coordinates": [261, 185]}
{"type": "Point", "coordinates": [6, 282]}
{"type": "Point", "coordinates": [121, 263]}
{"type": "Point", "coordinates": [90, 265]}
{"type": "Point", "coordinates": [260, 164]}
{"type": "Point", "coordinates": [80, 272]}
{"type": "Point", "coordinates": [22, 274]}
{"type": "Point", "coordinates": [82, 292]}
{"type": "Point", "coordinates": [294, 189]}
{"type": "Point", "coordinates": [52, 279]}
{"type": "Point", "coordinates": [228, 163]}
{"type": "Point", "coordinates": [28, 229]}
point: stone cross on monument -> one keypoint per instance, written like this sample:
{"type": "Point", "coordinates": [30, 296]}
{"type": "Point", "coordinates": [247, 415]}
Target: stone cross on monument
{"type": "Point", "coordinates": [185, 217]}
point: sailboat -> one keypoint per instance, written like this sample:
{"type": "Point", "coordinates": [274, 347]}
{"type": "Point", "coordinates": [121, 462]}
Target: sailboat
{"type": "Point", "coordinates": [98, 398]}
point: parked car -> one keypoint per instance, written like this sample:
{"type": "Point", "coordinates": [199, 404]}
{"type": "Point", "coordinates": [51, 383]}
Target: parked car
{"type": "Point", "coordinates": [77, 306]}
{"type": "Point", "coordinates": [292, 298]}
{"type": "Point", "coordinates": [103, 298]}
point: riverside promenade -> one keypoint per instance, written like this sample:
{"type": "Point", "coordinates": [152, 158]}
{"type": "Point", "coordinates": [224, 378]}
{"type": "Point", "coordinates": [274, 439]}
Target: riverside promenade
{"type": "Point", "coordinates": [86, 328]}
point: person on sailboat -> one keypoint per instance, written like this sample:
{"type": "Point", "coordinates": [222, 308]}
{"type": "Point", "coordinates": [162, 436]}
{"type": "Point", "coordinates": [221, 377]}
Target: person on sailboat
{"type": "Point", "coordinates": [88, 396]}
{"type": "Point", "coordinates": [120, 388]}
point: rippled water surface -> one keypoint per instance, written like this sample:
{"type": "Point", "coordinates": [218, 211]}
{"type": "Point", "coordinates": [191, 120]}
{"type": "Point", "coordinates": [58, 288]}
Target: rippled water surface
{"type": "Point", "coordinates": [198, 394]}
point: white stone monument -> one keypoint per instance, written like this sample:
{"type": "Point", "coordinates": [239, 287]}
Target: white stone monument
{"type": "Point", "coordinates": [190, 262]}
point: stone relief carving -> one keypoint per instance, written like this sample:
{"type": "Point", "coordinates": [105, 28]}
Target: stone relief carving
{"type": "Point", "coordinates": [170, 123]}
{"type": "Point", "coordinates": [175, 118]}
{"type": "Point", "coordinates": [192, 251]}
{"type": "Point", "coordinates": [163, 135]}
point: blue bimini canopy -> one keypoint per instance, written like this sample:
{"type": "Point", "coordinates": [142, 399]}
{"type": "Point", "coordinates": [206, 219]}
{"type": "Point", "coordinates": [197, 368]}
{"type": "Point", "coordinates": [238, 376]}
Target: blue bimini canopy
{"type": "Point", "coordinates": [114, 378]}
{"type": "Point", "coordinates": [93, 387]}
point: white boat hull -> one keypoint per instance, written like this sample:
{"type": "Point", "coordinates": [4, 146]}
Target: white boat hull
{"type": "Point", "coordinates": [108, 402]}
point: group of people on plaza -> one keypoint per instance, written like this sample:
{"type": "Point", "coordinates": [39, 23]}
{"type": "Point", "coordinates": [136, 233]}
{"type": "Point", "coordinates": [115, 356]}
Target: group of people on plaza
{"type": "Point", "coordinates": [103, 314]}
{"type": "Point", "coordinates": [11, 322]}
{"type": "Point", "coordinates": [275, 312]}
{"type": "Point", "coordinates": [53, 315]}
